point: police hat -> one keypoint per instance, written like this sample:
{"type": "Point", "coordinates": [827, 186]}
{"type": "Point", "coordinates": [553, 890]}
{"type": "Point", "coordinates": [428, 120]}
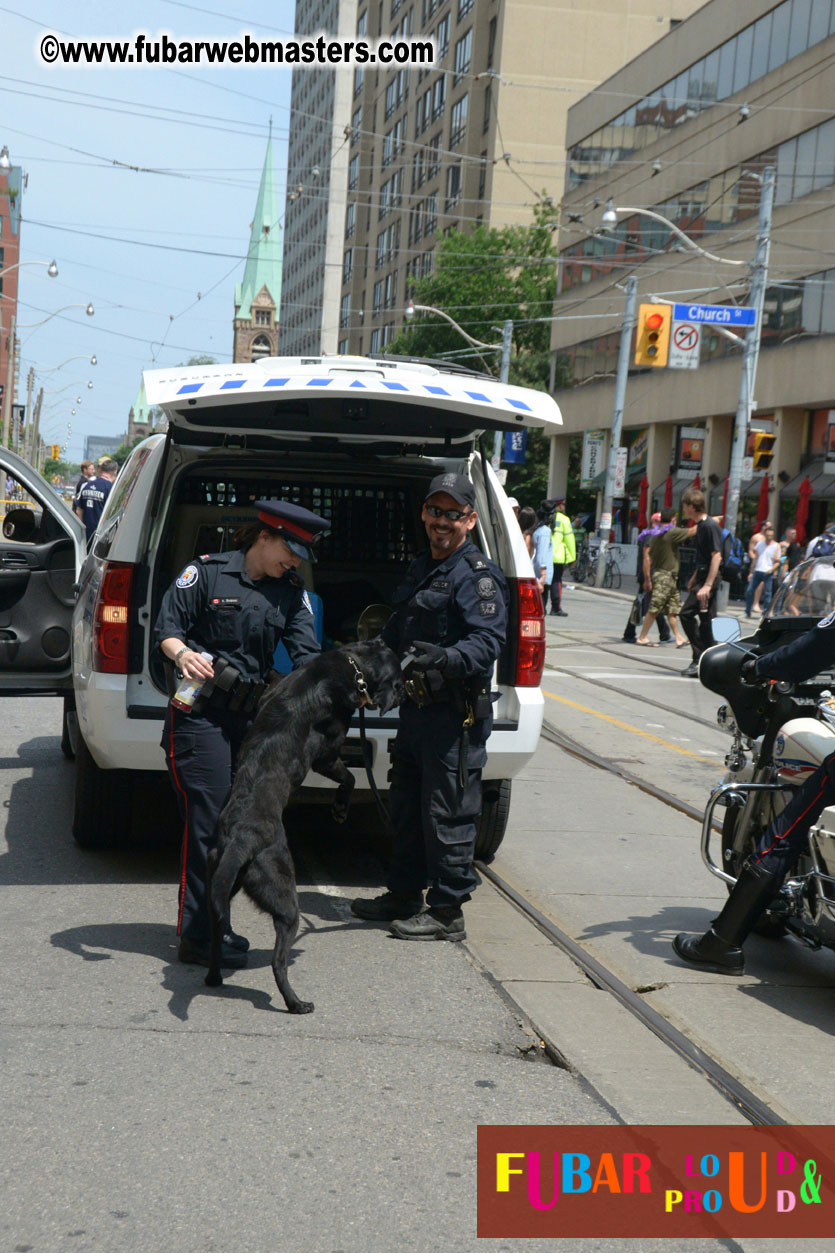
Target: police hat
{"type": "Point", "coordinates": [298, 527]}
{"type": "Point", "coordinates": [458, 486]}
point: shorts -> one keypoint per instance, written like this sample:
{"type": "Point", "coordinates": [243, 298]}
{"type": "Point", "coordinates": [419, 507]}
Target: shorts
{"type": "Point", "coordinates": [665, 595]}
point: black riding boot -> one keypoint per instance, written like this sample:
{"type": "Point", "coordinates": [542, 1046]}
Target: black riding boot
{"type": "Point", "coordinates": [719, 949]}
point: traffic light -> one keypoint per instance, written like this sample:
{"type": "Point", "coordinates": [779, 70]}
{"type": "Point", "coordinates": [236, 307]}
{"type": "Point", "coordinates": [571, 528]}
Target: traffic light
{"type": "Point", "coordinates": [55, 451]}
{"type": "Point", "coordinates": [652, 343]}
{"type": "Point", "coordinates": [763, 449]}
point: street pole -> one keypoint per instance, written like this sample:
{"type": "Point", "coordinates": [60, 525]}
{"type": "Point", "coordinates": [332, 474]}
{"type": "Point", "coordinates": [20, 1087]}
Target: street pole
{"type": "Point", "coordinates": [504, 373]}
{"type": "Point", "coordinates": [617, 422]}
{"type": "Point", "coordinates": [9, 388]}
{"type": "Point", "coordinates": [751, 350]}
{"type": "Point", "coordinates": [34, 452]}
{"type": "Point", "coordinates": [19, 431]}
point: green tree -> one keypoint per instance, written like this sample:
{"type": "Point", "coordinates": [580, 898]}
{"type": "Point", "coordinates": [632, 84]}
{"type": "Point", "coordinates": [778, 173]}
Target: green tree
{"type": "Point", "coordinates": [483, 278]}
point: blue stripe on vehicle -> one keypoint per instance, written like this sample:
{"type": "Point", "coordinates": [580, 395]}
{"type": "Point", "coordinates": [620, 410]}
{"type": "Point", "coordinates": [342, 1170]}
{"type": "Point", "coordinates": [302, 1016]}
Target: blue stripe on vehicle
{"type": "Point", "coordinates": [318, 382]}
{"type": "Point", "coordinates": [356, 383]}
{"type": "Point", "coordinates": [436, 391]}
{"type": "Point", "coordinates": [189, 387]}
{"type": "Point", "coordinates": [276, 382]}
{"type": "Point", "coordinates": [395, 387]}
{"type": "Point", "coordinates": [518, 404]}
{"type": "Point", "coordinates": [480, 396]}
{"type": "Point", "coordinates": [230, 383]}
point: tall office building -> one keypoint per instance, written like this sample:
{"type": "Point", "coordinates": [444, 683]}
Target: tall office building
{"type": "Point", "coordinates": [686, 131]}
{"type": "Point", "coordinates": [317, 179]}
{"type": "Point", "coordinates": [479, 138]}
{"type": "Point", "coordinates": [11, 189]}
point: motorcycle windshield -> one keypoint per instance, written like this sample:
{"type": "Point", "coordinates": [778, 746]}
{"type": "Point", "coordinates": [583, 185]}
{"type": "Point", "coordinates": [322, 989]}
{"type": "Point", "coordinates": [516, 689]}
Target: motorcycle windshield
{"type": "Point", "coordinates": [807, 592]}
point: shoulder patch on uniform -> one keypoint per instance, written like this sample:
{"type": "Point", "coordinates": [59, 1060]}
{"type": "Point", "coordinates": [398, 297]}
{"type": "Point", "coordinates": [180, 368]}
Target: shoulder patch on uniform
{"type": "Point", "coordinates": [828, 621]}
{"type": "Point", "coordinates": [488, 608]}
{"type": "Point", "coordinates": [306, 602]}
{"type": "Point", "coordinates": [188, 577]}
{"type": "Point", "coordinates": [486, 588]}
{"type": "Point", "coordinates": [204, 557]}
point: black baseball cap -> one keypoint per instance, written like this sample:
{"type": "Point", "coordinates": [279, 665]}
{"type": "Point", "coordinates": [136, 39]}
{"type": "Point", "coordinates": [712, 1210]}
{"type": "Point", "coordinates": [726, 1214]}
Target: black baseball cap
{"type": "Point", "coordinates": [297, 526]}
{"type": "Point", "coordinates": [458, 486]}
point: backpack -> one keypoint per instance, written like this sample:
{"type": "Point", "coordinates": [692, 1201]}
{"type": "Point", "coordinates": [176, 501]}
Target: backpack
{"type": "Point", "coordinates": [732, 564]}
{"type": "Point", "coordinates": [825, 546]}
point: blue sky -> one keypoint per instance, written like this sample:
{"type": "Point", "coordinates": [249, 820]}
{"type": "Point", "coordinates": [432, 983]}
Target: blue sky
{"type": "Point", "coordinates": [198, 136]}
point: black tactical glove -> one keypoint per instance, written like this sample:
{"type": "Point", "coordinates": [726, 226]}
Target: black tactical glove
{"type": "Point", "coordinates": [428, 656]}
{"type": "Point", "coordinates": [748, 670]}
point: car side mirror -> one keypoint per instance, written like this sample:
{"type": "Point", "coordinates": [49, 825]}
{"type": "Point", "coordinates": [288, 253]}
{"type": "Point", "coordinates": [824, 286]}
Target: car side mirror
{"type": "Point", "coordinates": [19, 525]}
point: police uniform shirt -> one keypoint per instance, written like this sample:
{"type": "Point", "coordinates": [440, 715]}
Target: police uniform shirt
{"type": "Point", "coordinates": [803, 657]}
{"type": "Point", "coordinates": [91, 499]}
{"type": "Point", "coordinates": [214, 606]}
{"type": "Point", "coordinates": [459, 603]}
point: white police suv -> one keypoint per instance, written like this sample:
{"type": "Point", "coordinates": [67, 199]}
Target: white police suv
{"type": "Point", "coordinates": [356, 440]}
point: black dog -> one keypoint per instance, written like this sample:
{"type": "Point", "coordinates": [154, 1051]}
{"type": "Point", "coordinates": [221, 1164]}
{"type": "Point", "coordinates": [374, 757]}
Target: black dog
{"type": "Point", "coordinates": [300, 726]}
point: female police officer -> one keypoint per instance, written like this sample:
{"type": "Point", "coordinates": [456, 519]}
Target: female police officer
{"type": "Point", "coordinates": [236, 606]}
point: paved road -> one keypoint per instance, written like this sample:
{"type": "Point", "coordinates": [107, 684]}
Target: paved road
{"type": "Point", "coordinates": [143, 1112]}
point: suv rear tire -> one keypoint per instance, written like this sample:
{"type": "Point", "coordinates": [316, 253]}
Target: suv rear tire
{"type": "Point", "coordinates": [69, 729]}
{"type": "Point", "coordinates": [101, 801]}
{"type": "Point", "coordinates": [491, 826]}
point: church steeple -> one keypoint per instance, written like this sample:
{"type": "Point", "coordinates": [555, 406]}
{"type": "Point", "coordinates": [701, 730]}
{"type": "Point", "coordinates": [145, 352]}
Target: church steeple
{"type": "Point", "coordinates": [257, 297]}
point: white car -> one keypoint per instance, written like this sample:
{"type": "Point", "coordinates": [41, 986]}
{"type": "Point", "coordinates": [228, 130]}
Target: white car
{"type": "Point", "coordinates": [356, 440]}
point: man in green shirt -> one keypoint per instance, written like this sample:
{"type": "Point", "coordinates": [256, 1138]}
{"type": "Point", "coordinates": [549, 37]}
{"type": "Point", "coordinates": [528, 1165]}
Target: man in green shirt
{"type": "Point", "coordinates": [661, 576]}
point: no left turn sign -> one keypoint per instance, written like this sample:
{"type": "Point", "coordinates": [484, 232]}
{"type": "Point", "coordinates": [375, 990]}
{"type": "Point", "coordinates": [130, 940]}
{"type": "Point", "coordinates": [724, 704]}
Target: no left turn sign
{"type": "Point", "coordinates": [684, 346]}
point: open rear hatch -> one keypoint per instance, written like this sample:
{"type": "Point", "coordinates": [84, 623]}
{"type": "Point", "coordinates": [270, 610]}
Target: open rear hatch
{"type": "Point", "coordinates": [339, 401]}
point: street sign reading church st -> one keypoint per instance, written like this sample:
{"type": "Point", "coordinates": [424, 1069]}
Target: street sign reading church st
{"type": "Point", "coordinates": [722, 315]}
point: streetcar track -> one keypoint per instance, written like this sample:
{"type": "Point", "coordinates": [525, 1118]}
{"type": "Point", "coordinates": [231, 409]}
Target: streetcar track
{"type": "Point", "coordinates": [752, 1107]}
{"type": "Point", "coordinates": [644, 700]}
{"type": "Point", "coordinates": [577, 749]}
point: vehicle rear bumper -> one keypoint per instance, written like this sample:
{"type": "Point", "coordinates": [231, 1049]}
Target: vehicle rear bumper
{"type": "Point", "coordinates": [123, 739]}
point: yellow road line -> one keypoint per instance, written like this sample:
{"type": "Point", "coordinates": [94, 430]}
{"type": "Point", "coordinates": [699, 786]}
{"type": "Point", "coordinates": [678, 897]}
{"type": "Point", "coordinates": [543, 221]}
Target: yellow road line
{"type": "Point", "coordinates": [626, 726]}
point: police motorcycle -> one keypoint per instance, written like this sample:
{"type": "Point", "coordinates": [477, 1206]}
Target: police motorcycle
{"type": "Point", "coordinates": [780, 733]}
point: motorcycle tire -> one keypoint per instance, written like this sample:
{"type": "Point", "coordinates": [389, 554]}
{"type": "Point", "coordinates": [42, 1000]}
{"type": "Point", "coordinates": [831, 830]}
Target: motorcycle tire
{"type": "Point", "coordinates": [769, 926]}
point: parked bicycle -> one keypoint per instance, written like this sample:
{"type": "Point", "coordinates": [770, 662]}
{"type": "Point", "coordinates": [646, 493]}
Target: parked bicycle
{"type": "Point", "coordinates": [611, 572]}
{"type": "Point", "coordinates": [582, 563]}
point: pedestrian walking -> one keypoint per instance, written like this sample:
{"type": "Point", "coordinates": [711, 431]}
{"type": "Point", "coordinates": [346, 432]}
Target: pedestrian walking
{"type": "Point", "coordinates": [565, 550]}
{"type": "Point", "coordinates": [218, 625]}
{"type": "Point", "coordinates": [451, 612]}
{"type": "Point", "coordinates": [93, 494]}
{"type": "Point", "coordinates": [526, 518]}
{"type": "Point", "coordinates": [641, 604]}
{"type": "Point", "coordinates": [88, 471]}
{"type": "Point", "coordinates": [543, 551]}
{"type": "Point", "coordinates": [699, 608]}
{"type": "Point", "coordinates": [661, 566]}
{"type": "Point", "coordinates": [766, 562]}
{"type": "Point", "coordinates": [791, 553]}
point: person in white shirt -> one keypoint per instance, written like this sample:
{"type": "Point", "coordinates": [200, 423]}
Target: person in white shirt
{"type": "Point", "coordinates": [766, 557]}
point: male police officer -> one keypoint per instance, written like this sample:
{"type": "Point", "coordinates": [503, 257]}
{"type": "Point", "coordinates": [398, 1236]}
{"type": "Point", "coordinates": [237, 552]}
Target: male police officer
{"type": "Point", "coordinates": [450, 616]}
{"type": "Point", "coordinates": [720, 949]}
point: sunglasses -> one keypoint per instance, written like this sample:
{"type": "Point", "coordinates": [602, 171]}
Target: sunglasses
{"type": "Point", "coordinates": [454, 515]}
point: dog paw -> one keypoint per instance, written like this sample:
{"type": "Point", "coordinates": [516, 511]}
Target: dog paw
{"type": "Point", "coordinates": [339, 813]}
{"type": "Point", "coordinates": [213, 981]}
{"type": "Point", "coordinates": [301, 1007]}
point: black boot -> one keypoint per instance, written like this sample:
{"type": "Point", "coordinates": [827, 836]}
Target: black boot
{"type": "Point", "coordinates": [719, 949]}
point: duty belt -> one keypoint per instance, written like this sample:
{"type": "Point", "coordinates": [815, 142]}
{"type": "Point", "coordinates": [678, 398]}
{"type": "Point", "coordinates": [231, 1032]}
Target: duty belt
{"type": "Point", "coordinates": [228, 689]}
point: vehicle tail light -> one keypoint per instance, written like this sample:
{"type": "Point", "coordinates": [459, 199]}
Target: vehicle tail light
{"type": "Point", "coordinates": [111, 619]}
{"type": "Point", "coordinates": [530, 647]}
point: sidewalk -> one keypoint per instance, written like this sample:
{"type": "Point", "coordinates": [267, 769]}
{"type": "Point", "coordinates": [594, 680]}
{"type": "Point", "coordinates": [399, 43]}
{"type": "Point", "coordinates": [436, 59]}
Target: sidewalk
{"type": "Point", "coordinates": [629, 590]}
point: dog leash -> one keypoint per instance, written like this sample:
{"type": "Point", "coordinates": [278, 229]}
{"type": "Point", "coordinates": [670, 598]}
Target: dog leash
{"type": "Point", "coordinates": [382, 807]}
